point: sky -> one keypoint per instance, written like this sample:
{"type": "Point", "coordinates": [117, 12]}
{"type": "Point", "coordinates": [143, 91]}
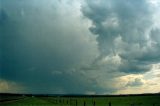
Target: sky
{"type": "Point", "coordinates": [80, 46]}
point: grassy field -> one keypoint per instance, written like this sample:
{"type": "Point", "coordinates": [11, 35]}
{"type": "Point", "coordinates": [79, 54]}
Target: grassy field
{"type": "Point", "coordinates": [150, 100]}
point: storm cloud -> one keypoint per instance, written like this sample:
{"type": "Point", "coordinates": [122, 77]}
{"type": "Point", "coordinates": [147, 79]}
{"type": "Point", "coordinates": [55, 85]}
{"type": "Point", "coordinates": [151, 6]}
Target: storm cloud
{"type": "Point", "coordinates": [77, 46]}
{"type": "Point", "coordinates": [39, 39]}
{"type": "Point", "coordinates": [125, 28]}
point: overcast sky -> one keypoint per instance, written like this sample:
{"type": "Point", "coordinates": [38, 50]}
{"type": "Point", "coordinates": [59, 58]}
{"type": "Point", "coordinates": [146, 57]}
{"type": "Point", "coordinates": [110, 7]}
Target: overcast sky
{"type": "Point", "coordinates": [80, 46]}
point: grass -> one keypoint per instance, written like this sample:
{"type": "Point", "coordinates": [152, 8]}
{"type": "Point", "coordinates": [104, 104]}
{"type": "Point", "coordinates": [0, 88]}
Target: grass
{"type": "Point", "coordinates": [86, 101]}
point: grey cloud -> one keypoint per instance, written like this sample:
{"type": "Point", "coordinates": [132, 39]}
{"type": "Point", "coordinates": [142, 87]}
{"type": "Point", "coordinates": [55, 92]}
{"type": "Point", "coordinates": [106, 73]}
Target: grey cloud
{"type": "Point", "coordinates": [129, 14]}
{"type": "Point", "coordinates": [3, 16]}
{"type": "Point", "coordinates": [48, 48]}
{"type": "Point", "coordinates": [151, 54]}
{"type": "Point", "coordinates": [155, 35]}
{"type": "Point", "coordinates": [137, 82]}
{"type": "Point", "coordinates": [129, 20]}
{"type": "Point", "coordinates": [39, 38]}
{"type": "Point", "coordinates": [135, 67]}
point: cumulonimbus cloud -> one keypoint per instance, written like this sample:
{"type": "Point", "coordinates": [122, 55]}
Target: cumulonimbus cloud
{"type": "Point", "coordinates": [39, 38]}
{"type": "Point", "coordinates": [51, 47]}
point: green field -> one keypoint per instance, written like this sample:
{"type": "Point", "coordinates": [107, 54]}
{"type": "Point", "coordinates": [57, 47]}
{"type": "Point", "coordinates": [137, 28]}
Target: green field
{"type": "Point", "coordinates": [150, 100]}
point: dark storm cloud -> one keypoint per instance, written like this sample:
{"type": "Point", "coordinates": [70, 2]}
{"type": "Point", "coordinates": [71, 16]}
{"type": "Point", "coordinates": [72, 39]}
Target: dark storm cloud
{"type": "Point", "coordinates": [39, 39]}
{"type": "Point", "coordinates": [3, 16]}
{"type": "Point", "coordinates": [48, 47]}
{"type": "Point", "coordinates": [123, 28]}
{"type": "Point", "coordinates": [134, 67]}
{"type": "Point", "coordinates": [127, 14]}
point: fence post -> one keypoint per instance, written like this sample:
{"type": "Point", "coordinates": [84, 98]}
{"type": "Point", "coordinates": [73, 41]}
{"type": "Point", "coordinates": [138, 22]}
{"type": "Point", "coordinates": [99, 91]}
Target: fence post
{"type": "Point", "coordinates": [67, 102]}
{"type": "Point", "coordinates": [94, 103]}
{"type": "Point", "coordinates": [76, 102]}
{"type": "Point", "coordinates": [84, 103]}
{"type": "Point", "coordinates": [60, 101]}
{"type": "Point", "coordinates": [109, 103]}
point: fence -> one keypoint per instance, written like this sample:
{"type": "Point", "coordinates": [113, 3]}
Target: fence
{"type": "Point", "coordinates": [74, 102]}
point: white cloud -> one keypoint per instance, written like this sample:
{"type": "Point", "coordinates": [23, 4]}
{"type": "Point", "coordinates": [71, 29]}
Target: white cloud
{"type": "Point", "coordinates": [150, 82]}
